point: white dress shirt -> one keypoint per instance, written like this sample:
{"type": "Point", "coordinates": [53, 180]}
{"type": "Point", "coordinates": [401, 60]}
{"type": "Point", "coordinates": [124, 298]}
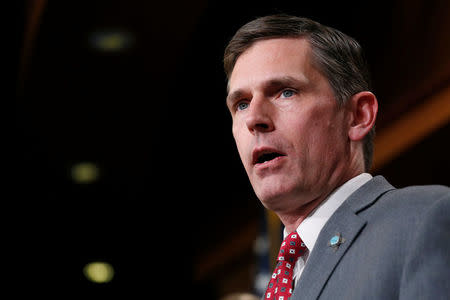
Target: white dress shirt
{"type": "Point", "coordinates": [311, 226]}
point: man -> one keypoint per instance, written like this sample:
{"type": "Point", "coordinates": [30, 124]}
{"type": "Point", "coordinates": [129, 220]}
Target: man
{"type": "Point", "coordinates": [303, 121]}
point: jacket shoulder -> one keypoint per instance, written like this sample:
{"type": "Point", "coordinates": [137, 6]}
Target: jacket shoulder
{"type": "Point", "coordinates": [424, 191]}
{"type": "Point", "coordinates": [421, 196]}
{"type": "Point", "coordinates": [409, 205]}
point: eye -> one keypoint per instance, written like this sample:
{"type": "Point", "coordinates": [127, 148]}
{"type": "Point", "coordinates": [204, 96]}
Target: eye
{"type": "Point", "coordinates": [242, 105]}
{"type": "Point", "coordinates": [287, 93]}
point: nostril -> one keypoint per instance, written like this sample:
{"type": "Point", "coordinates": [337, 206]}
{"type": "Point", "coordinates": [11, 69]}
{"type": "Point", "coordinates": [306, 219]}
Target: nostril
{"type": "Point", "coordinates": [262, 125]}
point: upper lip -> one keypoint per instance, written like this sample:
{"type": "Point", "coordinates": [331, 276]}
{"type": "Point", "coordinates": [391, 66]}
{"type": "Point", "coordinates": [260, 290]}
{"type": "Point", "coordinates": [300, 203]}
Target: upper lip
{"type": "Point", "coordinates": [258, 152]}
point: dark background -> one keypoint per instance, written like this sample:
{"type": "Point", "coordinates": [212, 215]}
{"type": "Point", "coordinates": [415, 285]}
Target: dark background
{"type": "Point", "coordinates": [152, 117]}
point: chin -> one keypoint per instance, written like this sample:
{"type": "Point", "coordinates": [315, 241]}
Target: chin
{"type": "Point", "coordinates": [280, 196]}
{"type": "Point", "coordinates": [273, 198]}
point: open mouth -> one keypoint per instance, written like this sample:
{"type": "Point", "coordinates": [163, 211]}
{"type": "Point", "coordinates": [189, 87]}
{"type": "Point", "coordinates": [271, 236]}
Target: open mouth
{"type": "Point", "coordinates": [265, 157]}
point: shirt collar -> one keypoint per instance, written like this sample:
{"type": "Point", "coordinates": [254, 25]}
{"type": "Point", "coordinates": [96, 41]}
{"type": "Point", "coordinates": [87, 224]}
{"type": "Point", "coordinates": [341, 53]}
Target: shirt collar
{"type": "Point", "coordinates": [310, 228]}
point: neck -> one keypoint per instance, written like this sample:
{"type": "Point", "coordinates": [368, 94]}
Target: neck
{"type": "Point", "coordinates": [292, 219]}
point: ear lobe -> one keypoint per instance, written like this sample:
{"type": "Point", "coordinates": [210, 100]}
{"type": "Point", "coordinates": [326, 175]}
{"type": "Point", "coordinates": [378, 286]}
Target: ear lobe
{"type": "Point", "coordinates": [363, 108]}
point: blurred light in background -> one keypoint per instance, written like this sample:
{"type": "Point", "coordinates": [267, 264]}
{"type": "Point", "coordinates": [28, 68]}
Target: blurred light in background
{"type": "Point", "coordinates": [240, 296]}
{"type": "Point", "coordinates": [99, 272]}
{"type": "Point", "coordinates": [85, 172]}
{"type": "Point", "coordinates": [111, 40]}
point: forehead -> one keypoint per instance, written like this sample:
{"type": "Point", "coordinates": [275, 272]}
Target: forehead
{"type": "Point", "coordinates": [271, 58]}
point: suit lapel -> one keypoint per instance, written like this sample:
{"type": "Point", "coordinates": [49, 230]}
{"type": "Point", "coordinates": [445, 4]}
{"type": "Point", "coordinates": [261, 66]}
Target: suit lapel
{"type": "Point", "coordinates": [344, 223]}
{"type": "Point", "coordinates": [324, 258]}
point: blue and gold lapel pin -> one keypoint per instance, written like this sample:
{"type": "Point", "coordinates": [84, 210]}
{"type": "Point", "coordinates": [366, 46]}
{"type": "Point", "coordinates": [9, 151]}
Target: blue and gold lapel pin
{"type": "Point", "coordinates": [336, 241]}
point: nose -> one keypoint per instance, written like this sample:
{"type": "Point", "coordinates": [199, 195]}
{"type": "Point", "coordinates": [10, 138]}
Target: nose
{"type": "Point", "coordinates": [259, 117]}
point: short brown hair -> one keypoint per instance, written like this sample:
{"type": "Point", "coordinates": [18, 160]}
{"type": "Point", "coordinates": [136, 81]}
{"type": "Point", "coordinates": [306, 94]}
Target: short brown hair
{"type": "Point", "coordinates": [339, 57]}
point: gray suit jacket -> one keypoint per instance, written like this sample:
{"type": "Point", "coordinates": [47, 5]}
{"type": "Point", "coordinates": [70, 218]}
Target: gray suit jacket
{"type": "Point", "coordinates": [396, 245]}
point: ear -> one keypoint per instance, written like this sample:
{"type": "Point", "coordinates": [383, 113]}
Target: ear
{"type": "Point", "coordinates": [363, 108]}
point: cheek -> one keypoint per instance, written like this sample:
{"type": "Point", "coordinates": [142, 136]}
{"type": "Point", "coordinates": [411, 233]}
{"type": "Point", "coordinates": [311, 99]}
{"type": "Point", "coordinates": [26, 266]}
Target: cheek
{"type": "Point", "coordinates": [241, 143]}
{"type": "Point", "coordinates": [316, 137]}
{"type": "Point", "coordinates": [327, 142]}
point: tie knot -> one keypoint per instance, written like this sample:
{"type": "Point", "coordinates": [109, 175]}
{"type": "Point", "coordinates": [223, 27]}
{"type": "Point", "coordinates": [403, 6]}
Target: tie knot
{"type": "Point", "coordinates": [291, 248]}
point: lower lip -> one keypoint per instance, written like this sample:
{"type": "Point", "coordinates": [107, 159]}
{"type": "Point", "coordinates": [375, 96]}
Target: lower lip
{"type": "Point", "coordinates": [270, 164]}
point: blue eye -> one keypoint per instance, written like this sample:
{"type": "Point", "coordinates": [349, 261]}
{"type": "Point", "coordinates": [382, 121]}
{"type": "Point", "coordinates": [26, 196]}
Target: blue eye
{"type": "Point", "coordinates": [287, 93]}
{"type": "Point", "coordinates": [242, 105]}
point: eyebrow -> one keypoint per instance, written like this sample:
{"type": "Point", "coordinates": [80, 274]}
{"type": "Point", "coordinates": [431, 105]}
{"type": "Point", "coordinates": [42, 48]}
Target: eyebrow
{"type": "Point", "coordinates": [272, 83]}
{"type": "Point", "coordinates": [231, 98]}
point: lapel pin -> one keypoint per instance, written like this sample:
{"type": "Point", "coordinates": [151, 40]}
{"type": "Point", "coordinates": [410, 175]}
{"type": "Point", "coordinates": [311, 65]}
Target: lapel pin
{"type": "Point", "coordinates": [336, 241]}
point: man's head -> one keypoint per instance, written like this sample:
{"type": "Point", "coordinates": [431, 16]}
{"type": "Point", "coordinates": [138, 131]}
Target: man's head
{"type": "Point", "coordinates": [298, 95]}
{"type": "Point", "coordinates": [337, 56]}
